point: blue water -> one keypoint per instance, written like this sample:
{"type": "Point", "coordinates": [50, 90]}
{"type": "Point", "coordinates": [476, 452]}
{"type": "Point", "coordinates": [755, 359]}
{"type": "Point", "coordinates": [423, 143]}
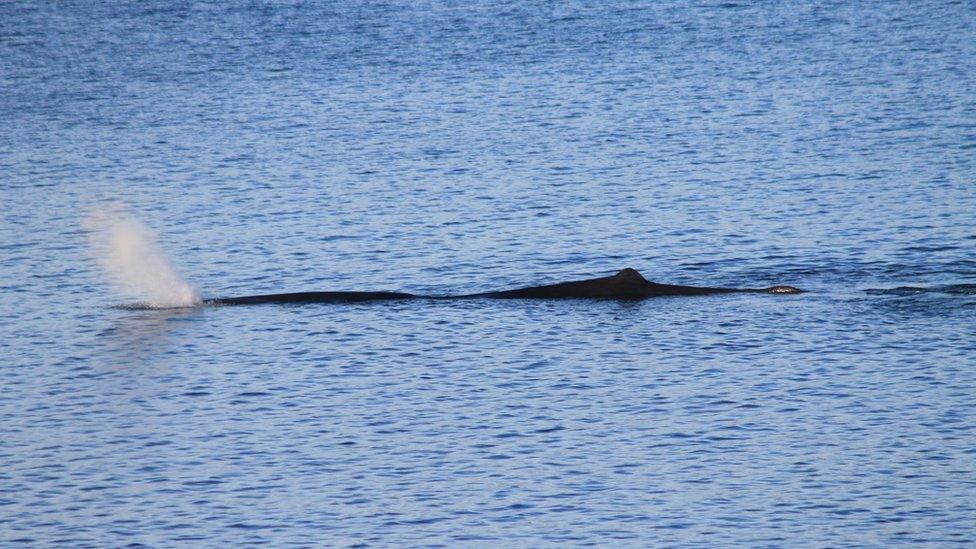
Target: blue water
{"type": "Point", "coordinates": [457, 147]}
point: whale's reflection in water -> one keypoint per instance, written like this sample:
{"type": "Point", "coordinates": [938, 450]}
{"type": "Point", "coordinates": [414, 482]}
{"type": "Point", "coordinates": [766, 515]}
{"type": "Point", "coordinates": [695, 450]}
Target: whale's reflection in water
{"type": "Point", "coordinates": [144, 336]}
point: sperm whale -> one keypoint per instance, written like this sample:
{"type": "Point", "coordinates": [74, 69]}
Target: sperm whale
{"type": "Point", "coordinates": [627, 284]}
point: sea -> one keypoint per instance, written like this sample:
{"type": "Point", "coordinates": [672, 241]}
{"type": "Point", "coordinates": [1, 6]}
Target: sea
{"type": "Point", "coordinates": [166, 151]}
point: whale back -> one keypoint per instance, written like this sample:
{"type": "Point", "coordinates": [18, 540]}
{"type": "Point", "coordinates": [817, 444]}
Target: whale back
{"type": "Point", "coordinates": [783, 290]}
{"type": "Point", "coordinates": [627, 284]}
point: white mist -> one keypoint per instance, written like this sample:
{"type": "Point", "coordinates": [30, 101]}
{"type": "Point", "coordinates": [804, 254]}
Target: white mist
{"type": "Point", "coordinates": [127, 251]}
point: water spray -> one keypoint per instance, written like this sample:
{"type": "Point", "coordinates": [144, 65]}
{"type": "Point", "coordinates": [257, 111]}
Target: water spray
{"type": "Point", "coordinates": [127, 251]}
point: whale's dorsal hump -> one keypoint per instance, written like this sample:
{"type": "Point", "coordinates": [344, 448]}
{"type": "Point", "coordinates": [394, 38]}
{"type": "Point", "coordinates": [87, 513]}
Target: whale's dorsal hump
{"type": "Point", "coordinates": [630, 275]}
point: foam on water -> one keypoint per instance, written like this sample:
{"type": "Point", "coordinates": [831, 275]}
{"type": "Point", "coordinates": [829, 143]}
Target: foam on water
{"type": "Point", "coordinates": [127, 251]}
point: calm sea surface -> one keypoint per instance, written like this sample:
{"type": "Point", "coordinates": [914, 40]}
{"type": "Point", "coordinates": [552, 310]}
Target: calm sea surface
{"type": "Point", "coordinates": [457, 147]}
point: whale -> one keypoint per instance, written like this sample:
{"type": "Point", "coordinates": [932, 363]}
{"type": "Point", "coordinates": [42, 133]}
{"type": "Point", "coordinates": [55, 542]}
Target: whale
{"type": "Point", "coordinates": [625, 285]}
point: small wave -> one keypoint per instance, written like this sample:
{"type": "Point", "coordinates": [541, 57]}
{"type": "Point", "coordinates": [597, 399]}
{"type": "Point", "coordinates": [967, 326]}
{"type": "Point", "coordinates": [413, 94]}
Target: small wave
{"type": "Point", "coordinates": [952, 289]}
{"type": "Point", "coordinates": [146, 306]}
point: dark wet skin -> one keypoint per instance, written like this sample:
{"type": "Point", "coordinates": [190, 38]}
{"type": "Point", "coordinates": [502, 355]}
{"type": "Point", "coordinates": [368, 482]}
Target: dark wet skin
{"type": "Point", "coordinates": [627, 284]}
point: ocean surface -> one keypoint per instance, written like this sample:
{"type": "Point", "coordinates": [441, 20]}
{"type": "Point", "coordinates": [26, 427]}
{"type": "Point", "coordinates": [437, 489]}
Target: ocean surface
{"type": "Point", "coordinates": [459, 147]}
